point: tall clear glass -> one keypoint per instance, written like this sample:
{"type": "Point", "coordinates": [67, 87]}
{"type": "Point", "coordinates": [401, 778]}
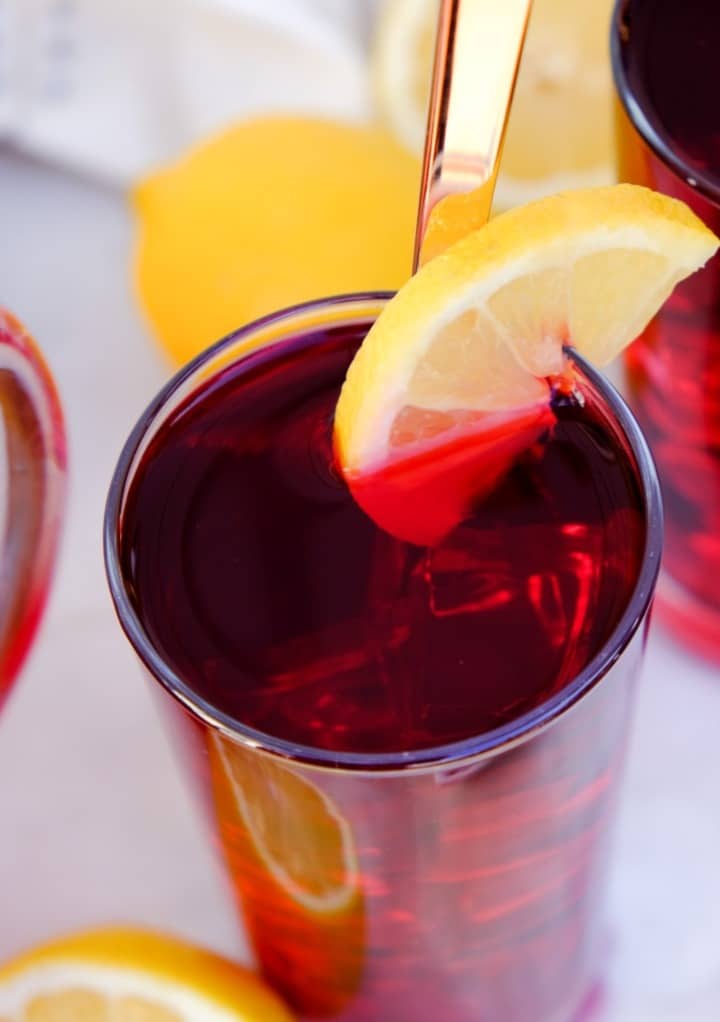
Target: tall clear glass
{"type": "Point", "coordinates": [462, 882]}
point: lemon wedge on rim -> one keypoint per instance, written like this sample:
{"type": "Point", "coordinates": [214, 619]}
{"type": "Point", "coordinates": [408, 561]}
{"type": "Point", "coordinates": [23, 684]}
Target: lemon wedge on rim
{"type": "Point", "coordinates": [476, 337]}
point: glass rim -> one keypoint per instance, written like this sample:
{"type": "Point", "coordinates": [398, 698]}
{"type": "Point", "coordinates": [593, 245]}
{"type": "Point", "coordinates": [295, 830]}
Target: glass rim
{"type": "Point", "coordinates": [694, 177]}
{"type": "Point", "coordinates": [484, 745]}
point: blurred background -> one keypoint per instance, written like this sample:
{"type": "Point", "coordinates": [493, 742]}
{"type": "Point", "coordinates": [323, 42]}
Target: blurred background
{"type": "Point", "coordinates": [170, 169]}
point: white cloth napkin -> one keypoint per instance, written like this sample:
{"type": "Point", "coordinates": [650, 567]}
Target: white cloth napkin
{"type": "Point", "coordinates": [115, 87]}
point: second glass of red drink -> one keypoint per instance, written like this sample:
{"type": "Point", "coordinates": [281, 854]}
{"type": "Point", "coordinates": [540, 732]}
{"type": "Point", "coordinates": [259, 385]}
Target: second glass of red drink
{"type": "Point", "coordinates": [32, 491]}
{"type": "Point", "coordinates": [665, 64]}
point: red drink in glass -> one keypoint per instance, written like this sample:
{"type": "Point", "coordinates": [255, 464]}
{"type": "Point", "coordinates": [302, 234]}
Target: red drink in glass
{"type": "Point", "coordinates": [32, 490]}
{"type": "Point", "coordinates": [411, 754]}
{"type": "Point", "coordinates": [665, 61]}
{"type": "Point", "coordinates": [351, 652]}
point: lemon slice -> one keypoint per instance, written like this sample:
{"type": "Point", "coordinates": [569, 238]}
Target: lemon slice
{"type": "Point", "coordinates": [472, 339]}
{"type": "Point", "coordinates": [122, 975]}
{"type": "Point", "coordinates": [560, 132]}
{"type": "Point", "coordinates": [292, 855]}
{"type": "Point", "coordinates": [302, 839]}
{"type": "Point", "coordinates": [402, 59]}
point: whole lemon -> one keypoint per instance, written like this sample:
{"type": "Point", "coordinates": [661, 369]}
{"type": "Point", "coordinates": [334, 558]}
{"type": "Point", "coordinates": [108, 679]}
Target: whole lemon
{"type": "Point", "coordinates": [271, 212]}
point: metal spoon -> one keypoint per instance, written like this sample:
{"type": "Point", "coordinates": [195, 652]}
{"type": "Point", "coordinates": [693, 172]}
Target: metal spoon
{"type": "Point", "coordinates": [477, 56]}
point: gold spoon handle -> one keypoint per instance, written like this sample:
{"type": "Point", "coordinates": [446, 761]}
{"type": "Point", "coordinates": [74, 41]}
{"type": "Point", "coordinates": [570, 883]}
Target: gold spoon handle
{"type": "Point", "coordinates": [477, 56]}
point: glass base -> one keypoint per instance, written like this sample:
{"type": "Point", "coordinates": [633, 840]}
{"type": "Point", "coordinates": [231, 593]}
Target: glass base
{"type": "Point", "coordinates": [693, 623]}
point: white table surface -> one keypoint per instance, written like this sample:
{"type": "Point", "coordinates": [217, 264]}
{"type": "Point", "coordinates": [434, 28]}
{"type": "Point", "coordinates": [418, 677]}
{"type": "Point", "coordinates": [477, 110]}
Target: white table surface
{"type": "Point", "coordinates": [96, 826]}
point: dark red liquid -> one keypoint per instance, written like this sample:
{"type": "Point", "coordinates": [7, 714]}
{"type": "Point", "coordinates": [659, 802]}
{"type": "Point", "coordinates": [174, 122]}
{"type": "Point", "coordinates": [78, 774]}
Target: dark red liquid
{"type": "Point", "coordinates": [668, 62]}
{"type": "Point", "coordinates": [669, 54]}
{"type": "Point", "coordinates": [279, 601]}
